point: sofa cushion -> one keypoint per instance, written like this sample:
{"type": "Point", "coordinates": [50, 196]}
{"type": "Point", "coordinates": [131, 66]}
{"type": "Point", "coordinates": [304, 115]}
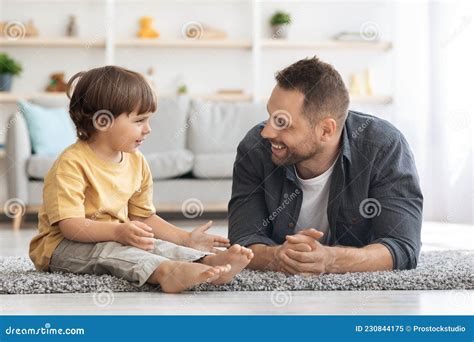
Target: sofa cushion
{"type": "Point", "coordinates": [38, 165]}
{"type": "Point", "coordinates": [170, 164]}
{"type": "Point", "coordinates": [162, 164]}
{"type": "Point", "coordinates": [215, 165]}
{"type": "Point", "coordinates": [52, 100]}
{"type": "Point", "coordinates": [51, 130]}
{"type": "Point", "coordinates": [168, 125]}
{"type": "Point", "coordinates": [219, 127]}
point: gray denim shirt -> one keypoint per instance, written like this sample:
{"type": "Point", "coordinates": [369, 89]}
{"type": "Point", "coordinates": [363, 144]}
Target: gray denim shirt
{"type": "Point", "coordinates": [374, 195]}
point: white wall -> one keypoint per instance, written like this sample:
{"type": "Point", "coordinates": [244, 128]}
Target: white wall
{"type": "Point", "coordinates": [402, 72]}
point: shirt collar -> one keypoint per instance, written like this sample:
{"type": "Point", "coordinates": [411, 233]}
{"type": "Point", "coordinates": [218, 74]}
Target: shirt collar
{"type": "Point", "coordinates": [345, 144]}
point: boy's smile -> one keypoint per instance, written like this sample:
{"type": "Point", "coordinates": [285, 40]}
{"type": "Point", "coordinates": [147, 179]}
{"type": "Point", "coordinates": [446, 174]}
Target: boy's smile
{"type": "Point", "coordinates": [132, 130]}
{"type": "Point", "coordinates": [126, 134]}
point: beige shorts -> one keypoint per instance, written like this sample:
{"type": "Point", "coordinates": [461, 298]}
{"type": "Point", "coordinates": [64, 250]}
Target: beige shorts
{"type": "Point", "coordinates": [130, 263]}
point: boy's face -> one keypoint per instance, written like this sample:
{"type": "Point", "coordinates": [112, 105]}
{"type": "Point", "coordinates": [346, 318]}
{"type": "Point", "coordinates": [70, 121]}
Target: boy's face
{"type": "Point", "coordinates": [128, 131]}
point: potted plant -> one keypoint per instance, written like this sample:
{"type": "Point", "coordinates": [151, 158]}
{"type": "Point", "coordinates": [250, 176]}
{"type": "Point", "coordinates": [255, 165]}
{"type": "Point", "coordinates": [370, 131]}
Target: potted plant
{"type": "Point", "coordinates": [279, 23]}
{"type": "Point", "coordinates": [8, 68]}
{"type": "Point", "coordinates": [182, 89]}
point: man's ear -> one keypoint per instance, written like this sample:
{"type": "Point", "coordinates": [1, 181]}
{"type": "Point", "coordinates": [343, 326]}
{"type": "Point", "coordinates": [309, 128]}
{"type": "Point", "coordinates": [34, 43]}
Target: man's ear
{"type": "Point", "coordinates": [328, 127]}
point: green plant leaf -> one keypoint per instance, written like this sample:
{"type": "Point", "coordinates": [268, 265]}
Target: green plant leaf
{"type": "Point", "coordinates": [9, 65]}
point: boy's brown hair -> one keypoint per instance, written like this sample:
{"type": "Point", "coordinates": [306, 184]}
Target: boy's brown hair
{"type": "Point", "coordinates": [112, 90]}
{"type": "Point", "coordinates": [325, 93]}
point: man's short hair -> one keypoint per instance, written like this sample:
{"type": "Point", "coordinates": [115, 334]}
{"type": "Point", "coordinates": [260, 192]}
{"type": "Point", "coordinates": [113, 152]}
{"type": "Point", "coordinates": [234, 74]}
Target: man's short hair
{"type": "Point", "coordinates": [325, 93]}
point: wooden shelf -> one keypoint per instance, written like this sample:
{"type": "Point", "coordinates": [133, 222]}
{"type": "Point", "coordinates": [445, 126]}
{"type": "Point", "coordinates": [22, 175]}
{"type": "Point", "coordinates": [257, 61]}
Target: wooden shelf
{"type": "Point", "coordinates": [183, 43]}
{"type": "Point", "coordinates": [203, 43]}
{"type": "Point", "coordinates": [124, 43]}
{"type": "Point", "coordinates": [225, 97]}
{"type": "Point", "coordinates": [326, 45]}
{"type": "Point", "coordinates": [370, 100]}
{"type": "Point", "coordinates": [13, 97]}
{"type": "Point", "coordinates": [53, 42]}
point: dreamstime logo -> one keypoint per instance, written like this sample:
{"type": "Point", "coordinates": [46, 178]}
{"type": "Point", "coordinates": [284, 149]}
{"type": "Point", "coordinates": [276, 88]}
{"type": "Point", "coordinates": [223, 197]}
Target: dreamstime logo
{"type": "Point", "coordinates": [93, 41]}
{"type": "Point", "coordinates": [281, 119]}
{"type": "Point", "coordinates": [361, 128]}
{"type": "Point", "coordinates": [9, 125]}
{"type": "Point", "coordinates": [369, 31]}
{"type": "Point", "coordinates": [103, 120]}
{"type": "Point", "coordinates": [103, 298]}
{"type": "Point", "coordinates": [370, 207]}
{"type": "Point", "coordinates": [192, 30]}
{"type": "Point", "coordinates": [363, 303]}
{"type": "Point", "coordinates": [287, 199]}
{"type": "Point", "coordinates": [461, 27]}
{"type": "Point", "coordinates": [281, 298]}
{"type": "Point", "coordinates": [14, 30]}
{"type": "Point", "coordinates": [186, 126]}
{"type": "Point", "coordinates": [460, 120]}
{"type": "Point", "coordinates": [192, 208]}
{"type": "Point", "coordinates": [14, 207]}
{"type": "Point", "coordinates": [279, 32]}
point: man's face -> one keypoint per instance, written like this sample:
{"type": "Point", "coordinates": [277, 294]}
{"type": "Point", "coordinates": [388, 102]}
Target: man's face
{"type": "Point", "coordinates": [290, 133]}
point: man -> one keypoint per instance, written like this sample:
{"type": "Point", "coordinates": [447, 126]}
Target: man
{"type": "Point", "coordinates": [320, 189]}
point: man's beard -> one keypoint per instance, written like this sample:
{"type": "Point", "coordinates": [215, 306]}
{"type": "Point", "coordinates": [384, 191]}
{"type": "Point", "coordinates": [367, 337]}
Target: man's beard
{"type": "Point", "coordinates": [293, 158]}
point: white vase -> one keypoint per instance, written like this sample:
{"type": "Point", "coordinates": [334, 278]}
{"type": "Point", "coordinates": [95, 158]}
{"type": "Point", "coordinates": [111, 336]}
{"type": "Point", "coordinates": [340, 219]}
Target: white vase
{"type": "Point", "coordinates": [280, 31]}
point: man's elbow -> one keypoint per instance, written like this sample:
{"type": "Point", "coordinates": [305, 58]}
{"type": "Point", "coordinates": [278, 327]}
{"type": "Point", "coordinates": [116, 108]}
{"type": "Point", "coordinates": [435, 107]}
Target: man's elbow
{"type": "Point", "coordinates": [408, 256]}
{"type": "Point", "coordinates": [405, 254]}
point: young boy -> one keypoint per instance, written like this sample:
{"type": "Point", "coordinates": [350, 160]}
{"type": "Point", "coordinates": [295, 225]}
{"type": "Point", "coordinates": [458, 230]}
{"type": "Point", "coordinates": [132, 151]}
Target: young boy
{"type": "Point", "coordinates": [98, 216]}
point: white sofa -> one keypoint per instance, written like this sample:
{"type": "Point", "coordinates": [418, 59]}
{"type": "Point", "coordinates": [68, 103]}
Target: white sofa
{"type": "Point", "coordinates": [191, 152]}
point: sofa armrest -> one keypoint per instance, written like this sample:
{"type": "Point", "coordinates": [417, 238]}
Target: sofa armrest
{"type": "Point", "coordinates": [18, 151]}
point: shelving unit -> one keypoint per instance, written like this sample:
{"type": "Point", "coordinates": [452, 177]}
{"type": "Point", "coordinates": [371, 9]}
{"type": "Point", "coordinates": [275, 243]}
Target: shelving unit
{"type": "Point", "coordinates": [112, 45]}
{"type": "Point", "coordinates": [52, 42]}
{"type": "Point", "coordinates": [182, 43]}
{"type": "Point", "coordinates": [13, 97]}
{"type": "Point", "coordinates": [329, 44]}
{"type": "Point", "coordinates": [368, 100]}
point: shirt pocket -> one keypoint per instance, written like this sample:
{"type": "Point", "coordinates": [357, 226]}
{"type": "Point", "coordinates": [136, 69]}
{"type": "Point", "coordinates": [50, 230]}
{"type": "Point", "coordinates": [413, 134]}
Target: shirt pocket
{"type": "Point", "coordinates": [352, 229]}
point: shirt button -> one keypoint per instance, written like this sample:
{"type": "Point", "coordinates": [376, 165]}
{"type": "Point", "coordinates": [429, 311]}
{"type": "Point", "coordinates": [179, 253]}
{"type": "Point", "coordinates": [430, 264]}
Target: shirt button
{"type": "Point", "coordinates": [354, 219]}
{"type": "Point", "coordinates": [291, 225]}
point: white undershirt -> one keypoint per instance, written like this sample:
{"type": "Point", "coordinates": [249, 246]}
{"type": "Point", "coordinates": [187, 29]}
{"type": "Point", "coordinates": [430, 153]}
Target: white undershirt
{"type": "Point", "coordinates": [313, 212]}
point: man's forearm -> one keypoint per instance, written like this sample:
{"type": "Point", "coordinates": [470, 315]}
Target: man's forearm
{"type": "Point", "coordinates": [264, 258]}
{"type": "Point", "coordinates": [164, 230]}
{"type": "Point", "coordinates": [375, 257]}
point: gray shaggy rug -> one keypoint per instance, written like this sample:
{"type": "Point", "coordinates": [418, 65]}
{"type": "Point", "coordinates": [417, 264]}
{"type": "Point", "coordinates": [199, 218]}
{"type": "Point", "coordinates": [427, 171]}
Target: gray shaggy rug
{"type": "Point", "coordinates": [438, 270]}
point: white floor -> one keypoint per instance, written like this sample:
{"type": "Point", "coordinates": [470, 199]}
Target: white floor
{"type": "Point", "coordinates": [435, 236]}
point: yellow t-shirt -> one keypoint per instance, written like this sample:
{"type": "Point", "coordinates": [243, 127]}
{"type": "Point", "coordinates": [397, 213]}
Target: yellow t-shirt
{"type": "Point", "coordinates": [80, 184]}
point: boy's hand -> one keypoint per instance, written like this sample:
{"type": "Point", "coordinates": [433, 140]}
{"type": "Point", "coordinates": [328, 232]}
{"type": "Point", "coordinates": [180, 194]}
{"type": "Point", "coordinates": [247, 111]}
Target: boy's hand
{"type": "Point", "coordinates": [136, 234]}
{"type": "Point", "coordinates": [198, 239]}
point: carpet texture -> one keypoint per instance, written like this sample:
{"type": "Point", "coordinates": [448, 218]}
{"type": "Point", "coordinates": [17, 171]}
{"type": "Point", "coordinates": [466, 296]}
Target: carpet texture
{"type": "Point", "coordinates": [439, 270]}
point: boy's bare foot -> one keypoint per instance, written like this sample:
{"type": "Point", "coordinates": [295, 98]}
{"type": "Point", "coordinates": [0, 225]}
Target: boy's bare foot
{"type": "Point", "coordinates": [236, 256]}
{"type": "Point", "coordinates": [177, 276]}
